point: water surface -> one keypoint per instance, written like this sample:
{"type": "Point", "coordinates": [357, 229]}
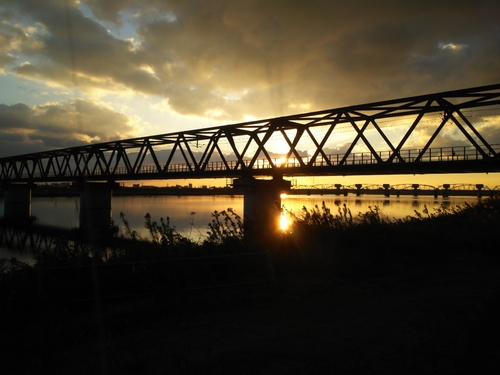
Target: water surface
{"type": "Point", "coordinates": [191, 214]}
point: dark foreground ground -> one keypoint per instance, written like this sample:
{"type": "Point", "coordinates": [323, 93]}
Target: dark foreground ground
{"type": "Point", "coordinates": [341, 313]}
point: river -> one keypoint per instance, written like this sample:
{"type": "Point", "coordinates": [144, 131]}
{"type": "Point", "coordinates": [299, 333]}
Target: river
{"type": "Point", "coordinates": [190, 215]}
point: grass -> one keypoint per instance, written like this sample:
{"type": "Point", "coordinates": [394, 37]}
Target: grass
{"type": "Point", "coordinates": [356, 294]}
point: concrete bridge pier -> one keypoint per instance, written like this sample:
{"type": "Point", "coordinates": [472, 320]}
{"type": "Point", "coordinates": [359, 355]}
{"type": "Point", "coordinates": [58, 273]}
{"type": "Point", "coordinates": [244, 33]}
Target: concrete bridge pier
{"type": "Point", "coordinates": [358, 189]}
{"type": "Point", "coordinates": [479, 188]}
{"type": "Point", "coordinates": [415, 189]}
{"type": "Point", "coordinates": [386, 187]}
{"type": "Point", "coordinates": [95, 206]}
{"type": "Point", "coordinates": [337, 188]}
{"type": "Point", "coordinates": [17, 202]}
{"type": "Point", "coordinates": [446, 190]}
{"type": "Point", "coordinates": [261, 204]}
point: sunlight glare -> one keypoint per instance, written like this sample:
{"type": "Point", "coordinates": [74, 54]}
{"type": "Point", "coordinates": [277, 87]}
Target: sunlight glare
{"type": "Point", "coordinates": [284, 223]}
{"type": "Point", "coordinates": [280, 161]}
{"type": "Point", "coordinates": [281, 146]}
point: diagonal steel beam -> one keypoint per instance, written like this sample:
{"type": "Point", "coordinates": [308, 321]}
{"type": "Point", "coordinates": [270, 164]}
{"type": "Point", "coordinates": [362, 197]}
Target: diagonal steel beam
{"type": "Point", "coordinates": [397, 151]}
{"type": "Point", "coordinates": [476, 133]}
{"type": "Point", "coordinates": [362, 136]}
{"type": "Point", "coordinates": [324, 140]}
{"type": "Point", "coordinates": [445, 119]}
{"type": "Point", "coordinates": [293, 150]}
{"type": "Point", "coordinates": [355, 141]}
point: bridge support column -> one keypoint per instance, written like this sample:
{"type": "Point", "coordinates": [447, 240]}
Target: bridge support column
{"type": "Point", "coordinates": [95, 206]}
{"type": "Point", "coordinates": [358, 189]}
{"type": "Point", "coordinates": [17, 202]}
{"type": "Point", "coordinates": [479, 188]}
{"type": "Point", "coordinates": [261, 204]}
{"type": "Point", "coordinates": [446, 190]}
{"type": "Point", "coordinates": [337, 187]}
{"type": "Point", "coordinates": [386, 190]}
{"type": "Point", "coordinates": [415, 189]}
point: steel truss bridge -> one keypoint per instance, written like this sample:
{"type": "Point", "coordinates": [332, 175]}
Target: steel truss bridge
{"type": "Point", "coordinates": [449, 132]}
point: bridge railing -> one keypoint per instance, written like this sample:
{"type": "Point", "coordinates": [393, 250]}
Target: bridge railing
{"type": "Point", "coordinates": [440, 154]}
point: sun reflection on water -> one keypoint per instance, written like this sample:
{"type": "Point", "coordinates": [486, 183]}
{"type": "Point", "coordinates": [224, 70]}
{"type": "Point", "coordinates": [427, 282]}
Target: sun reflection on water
{"type": "Point", "coordinates": [284, 222]}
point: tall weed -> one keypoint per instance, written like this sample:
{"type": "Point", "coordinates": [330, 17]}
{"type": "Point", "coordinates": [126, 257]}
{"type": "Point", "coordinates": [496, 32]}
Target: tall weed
{"type": "Point", "coordinates": [226, 228]}
{"type": "Point", "coordinates": [344, 219]}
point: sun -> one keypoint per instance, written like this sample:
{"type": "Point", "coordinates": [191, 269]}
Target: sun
{"type": "Point", "coordinates": [281, 146]}
{"type": "Point", "coordinates": [280, 161]}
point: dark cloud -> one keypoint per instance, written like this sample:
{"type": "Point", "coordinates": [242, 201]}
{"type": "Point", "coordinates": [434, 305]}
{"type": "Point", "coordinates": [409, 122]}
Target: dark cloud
{"type": "Point", "coordinates": [491, 131]}
{"type": "Point", "coordinates": [77, 51]}
{"type": "Point", "coordinates": [29, 129]}
{"type": "Point", "coordinates": [12, 40]}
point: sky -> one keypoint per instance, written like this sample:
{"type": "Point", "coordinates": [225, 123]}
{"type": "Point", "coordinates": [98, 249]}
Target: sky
{"type": "Point", "coordinates": [73, 72]}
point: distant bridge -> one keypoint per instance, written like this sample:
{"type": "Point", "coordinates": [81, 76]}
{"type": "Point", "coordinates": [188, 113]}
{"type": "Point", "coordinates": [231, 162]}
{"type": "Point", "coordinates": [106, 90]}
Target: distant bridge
{"type": "Point", "coordinates": [445, 190]}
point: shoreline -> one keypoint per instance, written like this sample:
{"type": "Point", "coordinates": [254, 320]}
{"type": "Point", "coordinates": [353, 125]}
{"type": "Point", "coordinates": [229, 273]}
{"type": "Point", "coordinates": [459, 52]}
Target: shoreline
{"type": "Point", "coordinates": [70, 191]}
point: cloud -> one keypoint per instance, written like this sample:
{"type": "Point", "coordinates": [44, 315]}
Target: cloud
{"type": "Point", "coordinates": [490, 130]}
{"type": "Point", "coordinates": [14, 38]}
{"type": "Point", "coordinates": [25, 129]}
{"type": "Point", "coordinates": [487, 125]}
{"type": "Point", "coordinates": [233, 59]}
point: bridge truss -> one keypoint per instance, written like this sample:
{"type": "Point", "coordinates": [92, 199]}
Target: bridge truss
{"type": "Point", "coordinates": [450, 132]}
